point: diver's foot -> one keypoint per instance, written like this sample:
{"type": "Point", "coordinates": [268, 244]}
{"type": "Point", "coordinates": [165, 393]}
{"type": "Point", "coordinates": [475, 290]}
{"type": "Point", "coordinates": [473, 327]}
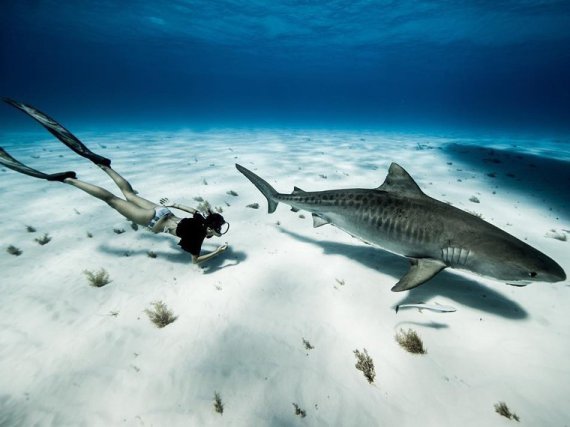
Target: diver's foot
{"type": "Point", "coordinates": [61, 176]}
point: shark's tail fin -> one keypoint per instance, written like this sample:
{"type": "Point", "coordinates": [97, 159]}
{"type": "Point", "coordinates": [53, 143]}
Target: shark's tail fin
{"type": "Point", "coordinates": [267, 190]}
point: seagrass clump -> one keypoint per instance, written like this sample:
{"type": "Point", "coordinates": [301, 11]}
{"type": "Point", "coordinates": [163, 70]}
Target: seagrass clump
{"type": "Point", "coordinates": [218, 405]}
{"type": "Point", "coordinates": [97, 279]}
{"type": "Point", "coordinates": [365, 364]}
{"type": "Point", "coordinates": [13, 250]}
{"type": "Point", "coordinates": [160, 315]}
{"type": "Point", "coordinates": [502, 409]}
{"type": "Point", "coordinates": [410, 341]}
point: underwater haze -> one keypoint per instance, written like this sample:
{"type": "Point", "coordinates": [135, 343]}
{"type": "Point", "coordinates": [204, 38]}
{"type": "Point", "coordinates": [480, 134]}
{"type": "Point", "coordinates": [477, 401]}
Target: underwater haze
{"type": "Point", "coordinates": [287, 321]}
{"type": "Point", "coordinates": [392, 65]}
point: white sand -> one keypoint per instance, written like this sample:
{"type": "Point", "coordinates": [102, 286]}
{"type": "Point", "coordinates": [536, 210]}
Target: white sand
{"type": "Point", "coordinates": [65, 360]}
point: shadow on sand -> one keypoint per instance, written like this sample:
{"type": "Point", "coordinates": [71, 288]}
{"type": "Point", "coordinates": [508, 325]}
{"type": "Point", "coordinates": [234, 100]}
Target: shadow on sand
{"type": "Point", "coordinates": [457, 288]}
{"type": "Point", "coordinates": [227, 259]}
{"type": "Point", "coordinates": [542, 177]}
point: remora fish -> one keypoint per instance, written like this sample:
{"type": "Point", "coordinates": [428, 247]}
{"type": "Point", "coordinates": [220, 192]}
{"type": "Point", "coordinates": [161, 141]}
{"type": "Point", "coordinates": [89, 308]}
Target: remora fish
{"type": "Point", "coordinates": [433, 307]}
{"type": "Point", "coordinates": [400, 218]}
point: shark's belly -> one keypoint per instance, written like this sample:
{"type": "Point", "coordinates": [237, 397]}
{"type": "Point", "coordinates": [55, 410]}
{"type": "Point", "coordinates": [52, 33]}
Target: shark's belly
{"type": "Point", "coordinates": [391, 236]}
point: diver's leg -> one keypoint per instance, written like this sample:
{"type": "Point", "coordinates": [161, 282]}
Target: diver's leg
{"type": "Point", "coordinates": [129, 210]}
{"type": "Point", "coordinates": [127, 189]}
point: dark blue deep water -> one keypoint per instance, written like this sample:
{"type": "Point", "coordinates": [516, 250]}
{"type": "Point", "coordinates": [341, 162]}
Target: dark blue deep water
{"type": "Point", "coordinates": [397, 65]}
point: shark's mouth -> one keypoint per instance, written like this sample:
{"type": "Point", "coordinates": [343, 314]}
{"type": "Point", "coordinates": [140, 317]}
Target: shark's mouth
{"type": "Point", "coordinates": [519, 283]}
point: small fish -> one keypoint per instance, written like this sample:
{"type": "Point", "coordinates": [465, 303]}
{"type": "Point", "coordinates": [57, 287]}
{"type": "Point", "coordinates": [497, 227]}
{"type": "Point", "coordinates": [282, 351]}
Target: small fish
{"type": "Point", "coordinates": [424, 306]}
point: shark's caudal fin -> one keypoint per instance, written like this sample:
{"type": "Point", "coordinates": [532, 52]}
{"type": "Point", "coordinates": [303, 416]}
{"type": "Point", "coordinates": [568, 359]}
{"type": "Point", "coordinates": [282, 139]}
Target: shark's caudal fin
{"type": "Point", "coordinates": [267, 190]}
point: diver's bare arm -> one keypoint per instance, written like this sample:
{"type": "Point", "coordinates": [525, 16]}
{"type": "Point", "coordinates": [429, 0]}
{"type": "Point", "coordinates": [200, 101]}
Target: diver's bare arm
{"type": "Point", "coordinates": [206, 257]}
{"type": "Point", "coordinates": [166, 203]}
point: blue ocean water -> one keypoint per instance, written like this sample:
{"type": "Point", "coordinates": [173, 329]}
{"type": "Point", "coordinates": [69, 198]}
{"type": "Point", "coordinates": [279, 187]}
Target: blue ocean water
{"type": "Point", "coordinates": [406, 65]}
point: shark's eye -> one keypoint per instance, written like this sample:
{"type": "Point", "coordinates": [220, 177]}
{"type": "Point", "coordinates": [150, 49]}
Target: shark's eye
{"type": "Point", "coordinates": [532, 274]}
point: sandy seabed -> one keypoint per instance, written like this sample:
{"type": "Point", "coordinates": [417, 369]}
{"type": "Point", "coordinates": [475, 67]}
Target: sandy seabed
{"type": "Point", "coordinates": [75, 355]}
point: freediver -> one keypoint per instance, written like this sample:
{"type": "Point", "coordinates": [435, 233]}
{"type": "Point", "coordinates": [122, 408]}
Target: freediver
{"type": "Point", "coordinates": [158, 218]}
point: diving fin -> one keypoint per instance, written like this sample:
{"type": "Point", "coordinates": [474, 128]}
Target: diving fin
{"type": "Point", "coordinates": [11, 163]}
{"type": "Point", "coordinates": [59, 132]}
{"type": "Point", "coordinates": [421, 270]}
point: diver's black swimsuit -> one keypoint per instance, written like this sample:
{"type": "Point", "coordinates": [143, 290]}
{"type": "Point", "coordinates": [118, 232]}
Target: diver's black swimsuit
{"type": "Point", "coordinates": [192, 232]}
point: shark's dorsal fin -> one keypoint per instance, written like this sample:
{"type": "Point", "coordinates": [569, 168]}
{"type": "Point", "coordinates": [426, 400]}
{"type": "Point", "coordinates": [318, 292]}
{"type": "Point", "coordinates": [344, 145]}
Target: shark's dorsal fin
{"type": "Point", "coordinates": [297, 190]}
{"type": "Point", "coordinates": [400, 181]}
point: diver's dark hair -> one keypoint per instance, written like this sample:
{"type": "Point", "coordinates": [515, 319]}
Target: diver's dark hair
{"type": "Point", "coordinates": [214, 220]}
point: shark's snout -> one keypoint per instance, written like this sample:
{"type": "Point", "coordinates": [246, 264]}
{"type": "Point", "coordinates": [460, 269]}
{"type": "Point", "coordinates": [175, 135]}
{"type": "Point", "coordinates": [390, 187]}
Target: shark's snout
{"type": "Point", "coordinates": [556, 274]}
{"type": "Point", "coordinates": [551, 272]}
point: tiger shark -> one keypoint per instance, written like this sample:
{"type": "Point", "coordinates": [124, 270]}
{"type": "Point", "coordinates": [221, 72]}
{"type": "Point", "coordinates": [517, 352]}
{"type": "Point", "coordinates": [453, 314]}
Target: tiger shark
{"type": "Point", "coordinates": [400, 218]}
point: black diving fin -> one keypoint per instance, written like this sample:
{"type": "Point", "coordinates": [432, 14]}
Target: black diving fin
{"type": "Point", "coordinates": [59, 132]}
{"type": "Point", "coordinates": [10, 162]}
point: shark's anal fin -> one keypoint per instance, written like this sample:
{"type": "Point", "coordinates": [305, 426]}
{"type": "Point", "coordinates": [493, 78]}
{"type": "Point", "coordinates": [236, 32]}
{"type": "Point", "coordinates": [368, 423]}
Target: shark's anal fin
{"type": "Point", "coordinates": [319, 221]}
{"type": "Point", "coordinates": [421, 270]}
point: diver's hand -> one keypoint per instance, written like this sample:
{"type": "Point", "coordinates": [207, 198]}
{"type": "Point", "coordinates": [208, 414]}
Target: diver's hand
{"type": "Point", "coordinates": [164, 201]}
{"type": "Point", "coordinates": [223, 247]}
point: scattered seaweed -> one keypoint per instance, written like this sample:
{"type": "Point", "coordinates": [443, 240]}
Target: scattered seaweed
{"type": "Point", "coordinates": [307, 345]}
{"type": "Point", "coordinates": [44, 240]}
{"type": "Point", "coordinates": [502, 409]}
{"type": "Point", "coordinates": [119, 230]}
{"type": "Point", "coordinates": [232, 193]}
{"type": "Point", "coordinates": [13, 250]}
{"type": "Point", "coordinates": [365, 364]}
{"type": "Point", "coordinates": [298, 411]}
{"type": "Point", "coordinates": [474, 199]}
{"type": "Point", "coordinates": [204, 206]}
{"type": "Point", "coordinates": [89, 235]}
{"type": "Point", "coordinates": [218, 405]}
{"type": "Point", "coordinates": [151, 254]}
{"type": "Point", "coordinates": [253, 206]}
{"type": "Point", "coordinates": [30, 229]}
{"type": "Point", "coordinates": [160, 315]}
{"type": "Point", "coordinates": [558, 235]}
{"type": "Point", "coordinates": [97, 279]}
{"type": "Point", "coordinates": [410, 341]}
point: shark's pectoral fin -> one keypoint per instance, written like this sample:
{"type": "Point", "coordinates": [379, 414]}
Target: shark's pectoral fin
{"type": "Point", "coordinates": [318, 221]}
{"type": "Point", "coordinates": [421, 270]}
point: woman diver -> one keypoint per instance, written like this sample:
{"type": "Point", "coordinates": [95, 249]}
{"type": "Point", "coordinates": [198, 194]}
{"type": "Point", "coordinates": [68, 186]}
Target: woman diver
{"type": "Point", "coordinates": [158, 218]}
